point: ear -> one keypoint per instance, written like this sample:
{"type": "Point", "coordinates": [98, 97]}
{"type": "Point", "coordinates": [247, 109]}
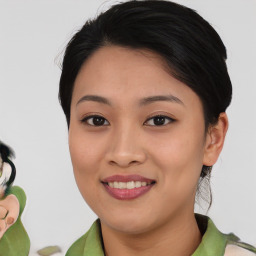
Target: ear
{"type": "Point", "coordinates": [215, 140]}
{"type": "Point", "coordinates": [9, 213]}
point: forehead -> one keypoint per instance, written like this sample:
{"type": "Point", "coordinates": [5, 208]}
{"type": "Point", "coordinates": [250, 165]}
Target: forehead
{"type": "Point", "coordinates": [118, 72]}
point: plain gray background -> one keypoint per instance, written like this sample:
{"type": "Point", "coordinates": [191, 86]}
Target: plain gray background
{"type": "Point", "coordinates": [33, 35]}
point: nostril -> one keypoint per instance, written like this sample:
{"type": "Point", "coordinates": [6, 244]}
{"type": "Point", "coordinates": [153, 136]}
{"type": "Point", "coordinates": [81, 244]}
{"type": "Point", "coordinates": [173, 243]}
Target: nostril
{"type": "Point", "coordinates": [134, 162]}
{"type": "Point", "coordinates": [123, 162]}
{"type": "Point", "coordinates": [112, 162]}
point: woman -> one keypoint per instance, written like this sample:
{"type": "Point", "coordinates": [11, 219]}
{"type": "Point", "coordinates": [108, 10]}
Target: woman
{"type": "Point", "coordinates": [144, 88]}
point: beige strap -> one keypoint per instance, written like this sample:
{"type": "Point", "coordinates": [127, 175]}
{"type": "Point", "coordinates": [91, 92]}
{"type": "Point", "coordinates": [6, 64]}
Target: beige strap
{"type": "Point", "coordinates": [234, 250]}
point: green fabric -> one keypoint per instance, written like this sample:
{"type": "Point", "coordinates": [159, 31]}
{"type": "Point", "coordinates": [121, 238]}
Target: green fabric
{"type": "Point", "coordinates": [213, 242]}
{"type": "Point", "coordinates": [15, 241]}
{"type": "Point", "coordinates": [89, 244]}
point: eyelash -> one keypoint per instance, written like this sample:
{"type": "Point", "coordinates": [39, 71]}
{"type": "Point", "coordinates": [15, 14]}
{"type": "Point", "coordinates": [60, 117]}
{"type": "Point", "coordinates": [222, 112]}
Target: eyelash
{"type": "Point", "coordinates": [85, 120]}
{"type": "Point", "coordinates": [170, 120]}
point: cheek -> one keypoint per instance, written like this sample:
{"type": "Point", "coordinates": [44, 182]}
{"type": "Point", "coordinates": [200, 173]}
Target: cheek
{"type": "Point", "coordinates": [180, 157]}
{"type": "Point", "coordinates": [84, 159]}
{"type": "Point", "coordinates": [84, 156]}
{"type": "Point", "coordinates": [85, 149]}
{"type": "Point", "coordinates": [178, 148]}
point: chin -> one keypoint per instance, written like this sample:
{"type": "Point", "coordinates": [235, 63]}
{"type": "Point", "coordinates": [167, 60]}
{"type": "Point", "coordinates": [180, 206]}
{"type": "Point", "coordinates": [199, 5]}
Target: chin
{"type": "Point", "coordinates": [128, 227]}
{"type": "Point", "coordinates": [128, 223]}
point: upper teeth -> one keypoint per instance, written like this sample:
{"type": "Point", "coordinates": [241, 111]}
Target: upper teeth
{"type": "Point", "coordinates": [127, 185]}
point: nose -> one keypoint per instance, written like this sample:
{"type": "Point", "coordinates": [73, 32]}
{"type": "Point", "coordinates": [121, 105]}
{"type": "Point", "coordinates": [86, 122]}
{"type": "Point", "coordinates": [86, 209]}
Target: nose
{"type": "Point", "coordinates": [126, 148]}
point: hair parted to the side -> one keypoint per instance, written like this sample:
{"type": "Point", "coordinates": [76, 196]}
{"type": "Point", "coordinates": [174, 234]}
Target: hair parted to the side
{"type": "Point", "coordinates": [192, 49]}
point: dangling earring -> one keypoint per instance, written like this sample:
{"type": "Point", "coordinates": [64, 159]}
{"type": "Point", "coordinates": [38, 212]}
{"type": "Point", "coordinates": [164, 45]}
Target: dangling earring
{"type": "Point", "coordinates": [206, 170]}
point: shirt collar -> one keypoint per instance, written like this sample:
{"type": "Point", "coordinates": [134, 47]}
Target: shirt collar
{"type": "Point", "coordinates": [213, 241]}
{"type": "Point", "coordinates": [93, 244]}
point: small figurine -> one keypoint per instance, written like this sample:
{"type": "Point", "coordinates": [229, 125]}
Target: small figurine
{"type": "Point", "coordinates": [7, 169]}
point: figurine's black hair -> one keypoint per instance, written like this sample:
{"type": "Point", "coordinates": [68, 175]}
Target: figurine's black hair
{"type": "Point", "coordinates": [6, 153]}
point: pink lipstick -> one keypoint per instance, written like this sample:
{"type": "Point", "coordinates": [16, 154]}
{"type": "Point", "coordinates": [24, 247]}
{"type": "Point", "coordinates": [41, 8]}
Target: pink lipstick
{"type": "Point", "coordinates": [127, 187]}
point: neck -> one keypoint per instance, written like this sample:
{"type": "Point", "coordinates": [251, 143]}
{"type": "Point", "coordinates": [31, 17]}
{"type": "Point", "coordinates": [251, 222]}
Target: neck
{"type": "Point", "coordinates": [178, 237]}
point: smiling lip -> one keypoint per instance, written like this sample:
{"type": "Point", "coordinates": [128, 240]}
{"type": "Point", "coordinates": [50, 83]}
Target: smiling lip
{"type": "Point", "coordinates": [133, 186]}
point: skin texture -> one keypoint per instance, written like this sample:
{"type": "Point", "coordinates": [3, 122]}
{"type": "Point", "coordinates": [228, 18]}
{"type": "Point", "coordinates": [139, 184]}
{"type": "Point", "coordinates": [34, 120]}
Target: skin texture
{"type": "Point", "coordinates": [9, 212]}
{"type": "Point", "coordinates": [162, 220]}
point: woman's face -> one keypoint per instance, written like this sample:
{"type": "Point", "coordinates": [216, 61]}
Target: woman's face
{"type": "Point", "coordinates": [137, 140]}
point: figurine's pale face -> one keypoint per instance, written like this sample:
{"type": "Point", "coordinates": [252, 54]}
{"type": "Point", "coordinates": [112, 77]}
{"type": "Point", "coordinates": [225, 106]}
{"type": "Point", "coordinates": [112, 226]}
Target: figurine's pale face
{"type": "Point", "coordinates": [126, 140]}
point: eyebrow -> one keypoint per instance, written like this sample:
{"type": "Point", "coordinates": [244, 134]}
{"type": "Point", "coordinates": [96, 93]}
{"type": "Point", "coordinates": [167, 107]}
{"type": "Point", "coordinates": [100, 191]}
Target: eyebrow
{"type": "Point", "coordinates": [151, 99]}
{"type": "Point", "coordinates": [142, 102]}
{"type": "Point", "coordinates": [95, 98]}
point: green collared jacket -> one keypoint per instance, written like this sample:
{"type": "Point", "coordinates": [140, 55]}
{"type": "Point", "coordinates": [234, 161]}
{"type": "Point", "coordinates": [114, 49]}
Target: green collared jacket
{"type": "Point", "coordinates": [214, 243]}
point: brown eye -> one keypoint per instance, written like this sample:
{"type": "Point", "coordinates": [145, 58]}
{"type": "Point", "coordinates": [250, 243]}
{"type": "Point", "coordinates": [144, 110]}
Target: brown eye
{"type": "Point", "coordinates": [159, 120]}
{"type": "Point", "coordinates": [95, 120]}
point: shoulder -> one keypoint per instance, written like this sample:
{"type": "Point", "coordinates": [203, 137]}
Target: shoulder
{"type": "Point", "coordinates": [214, 242]}
{"type": "Point", "coordinates": [235, 247]}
